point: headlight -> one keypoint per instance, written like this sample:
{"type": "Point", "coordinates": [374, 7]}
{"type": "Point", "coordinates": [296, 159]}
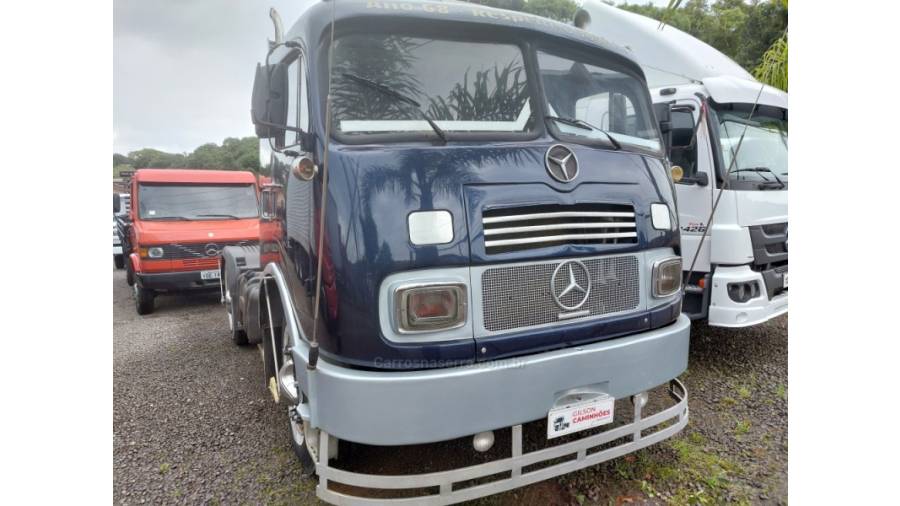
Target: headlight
{"type": "Point", "coordinates": [154, 252]}
{"type": "Point", "coordinates": [424, 308]}
{"type": "Point", "coordinates": [666, 277]}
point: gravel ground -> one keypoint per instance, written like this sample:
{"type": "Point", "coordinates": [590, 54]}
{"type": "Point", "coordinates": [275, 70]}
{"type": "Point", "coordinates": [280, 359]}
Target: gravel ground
{"type": "Point", "coordinates": [193, 423]}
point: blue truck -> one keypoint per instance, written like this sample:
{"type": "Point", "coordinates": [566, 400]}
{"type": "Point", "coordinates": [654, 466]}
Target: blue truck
{"type": "Point", "coordinates": [447, 251]}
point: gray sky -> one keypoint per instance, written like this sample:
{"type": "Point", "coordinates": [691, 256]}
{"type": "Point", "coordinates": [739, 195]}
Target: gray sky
{"type": "Point", "coordinates": [183, 69]}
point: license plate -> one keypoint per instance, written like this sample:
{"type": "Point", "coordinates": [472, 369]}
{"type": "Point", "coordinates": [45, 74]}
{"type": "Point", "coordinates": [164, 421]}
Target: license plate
{"type": "Point", "coordinates": [580, 415]}
{"type": "Point", "coordinates": [785, 279]}
{"type": "Point", "coordinates": [211, 274]}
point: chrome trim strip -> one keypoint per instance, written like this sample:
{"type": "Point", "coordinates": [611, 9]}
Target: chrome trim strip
{"type": "Point", "coordinates": [557, 226]}
{"type": "Point", "coordinates": [290, 315]}
{"type": "Point", "coordinates": [563, 214]}
{"type": "Point", "coordinates": [555, 238]}
{"type": "Point", "coordinates": [445, 480]}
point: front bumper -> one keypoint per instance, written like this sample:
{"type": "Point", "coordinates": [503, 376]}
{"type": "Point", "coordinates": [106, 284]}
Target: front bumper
{"type": "Point", "coordinates": [725, 312]}
{"type": "Point", "coordinates": [518, 470]}
{"type": "Point", "coordinates": [176, 281]}
{"type": "Point", "coordinates": [410, 407]}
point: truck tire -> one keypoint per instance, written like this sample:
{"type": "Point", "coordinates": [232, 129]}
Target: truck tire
{"type": "Point", "coordinates": [143, 300]}
{"type": "Point", "coordinates": [238, 335]}
{"type": "Point", "coordinates": [119, 260]}
{"type": "Point", "coordinates": [298, 444]}
{"type": "Point", "coordinates": [129, 274]}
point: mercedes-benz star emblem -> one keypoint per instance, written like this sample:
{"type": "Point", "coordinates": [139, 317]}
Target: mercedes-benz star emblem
{"type": "Point", "coordinates": [562, 164]}
{"type": "Point", "coordinates": [570, 285]}
{"type": "Point", "coordinates": [211, 249]}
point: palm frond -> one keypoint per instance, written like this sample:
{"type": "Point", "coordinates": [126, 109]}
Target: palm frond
{"type": "Point", "coordinates": [773, 69]}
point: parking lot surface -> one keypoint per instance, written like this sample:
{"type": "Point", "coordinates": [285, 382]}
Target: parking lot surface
{"type": "Point", "coordinates": [193, 422]}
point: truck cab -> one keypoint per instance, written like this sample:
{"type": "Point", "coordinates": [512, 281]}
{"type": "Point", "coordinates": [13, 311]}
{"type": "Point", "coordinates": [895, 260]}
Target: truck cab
{"type": "Point", "coordinates": [445, 252]}
{"type": "Point", "coordinates": [727, 144]}
{"type": "Point", "coordinates": [178, 222]}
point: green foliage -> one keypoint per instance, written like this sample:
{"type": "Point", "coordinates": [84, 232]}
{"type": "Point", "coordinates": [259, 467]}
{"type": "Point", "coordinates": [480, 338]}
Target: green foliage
{"type": "Point", "coordinates": [233, 154]}
{"type": "Point", "coordinates": [773, 70]}
{"type": "Point", "coordinates": [744, 31]}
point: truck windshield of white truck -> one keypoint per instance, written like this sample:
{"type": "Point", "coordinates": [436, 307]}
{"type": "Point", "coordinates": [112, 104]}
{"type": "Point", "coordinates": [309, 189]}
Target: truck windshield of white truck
{"type": "Point", "coordinates": [763, 154]}
{"type": "Point", "coordinates": [197, 202]}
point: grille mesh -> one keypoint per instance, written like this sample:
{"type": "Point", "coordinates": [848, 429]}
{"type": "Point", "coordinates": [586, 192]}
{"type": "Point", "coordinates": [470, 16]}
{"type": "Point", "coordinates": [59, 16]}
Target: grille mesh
{"type": "Point", "coordinates": [177, 251]}
{"type": "Point", "coordinates": [519, 296]}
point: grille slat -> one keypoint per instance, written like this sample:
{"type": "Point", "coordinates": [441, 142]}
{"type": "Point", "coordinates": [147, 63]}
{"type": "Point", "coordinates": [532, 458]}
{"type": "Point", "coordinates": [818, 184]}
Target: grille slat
{"type": "Point", "coordinates": [557, 238]}
{"type": "Point", "coordinates": [536, 226]}
{"type": "Point", "coordinates": [560, 226]}
{"type": "Point", "coordinates": [519, 296]}
{"type": "Point", "coordinates": [539, 216]}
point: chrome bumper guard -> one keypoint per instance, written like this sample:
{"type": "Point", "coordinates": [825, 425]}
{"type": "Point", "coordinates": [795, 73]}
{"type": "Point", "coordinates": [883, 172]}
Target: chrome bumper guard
{"type": "Point", "coordinates": [444, 481]}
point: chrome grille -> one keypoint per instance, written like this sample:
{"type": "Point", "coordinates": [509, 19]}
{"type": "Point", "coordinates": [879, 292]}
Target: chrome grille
{"type": "Point", "coordinates": [519, 296]}
{"type": "Point", "coordinates": [178, 251]}
{"type": "Point", "coordinates": [518, 228]}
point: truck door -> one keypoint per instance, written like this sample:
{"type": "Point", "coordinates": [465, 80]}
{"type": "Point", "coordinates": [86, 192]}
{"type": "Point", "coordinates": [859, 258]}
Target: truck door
{"type": "Point", "coordinates": [694, 190]}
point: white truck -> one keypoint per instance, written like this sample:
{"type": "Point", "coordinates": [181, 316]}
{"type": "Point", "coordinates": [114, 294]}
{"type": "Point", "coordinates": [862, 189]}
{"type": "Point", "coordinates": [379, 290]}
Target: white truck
{"type": "Point", "coordinates": [728, 153]}
{"type": "Point", "coordinates": [124, 207]}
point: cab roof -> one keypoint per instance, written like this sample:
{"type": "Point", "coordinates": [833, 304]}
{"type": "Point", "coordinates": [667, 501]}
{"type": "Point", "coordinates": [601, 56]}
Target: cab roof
{"type": "Point", "coordinates": [316, 17]}
{"type": "Point", "coordinates": [668, 55]}
{"type": "Point", "coordinates": [193, 176]}
{"type": "Point", "coordinates": [671, 57]}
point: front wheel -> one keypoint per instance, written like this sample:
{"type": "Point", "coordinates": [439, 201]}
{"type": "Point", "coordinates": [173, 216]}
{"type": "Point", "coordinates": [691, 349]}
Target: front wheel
{"type": "Point", "coordinates": [300, 443]}
{"type": "Point", "coordinates": [119, 260]}
{"type": "Point", "coordinates": [143, 300]}
{"type": "Point", "coordinates": [129, 274]}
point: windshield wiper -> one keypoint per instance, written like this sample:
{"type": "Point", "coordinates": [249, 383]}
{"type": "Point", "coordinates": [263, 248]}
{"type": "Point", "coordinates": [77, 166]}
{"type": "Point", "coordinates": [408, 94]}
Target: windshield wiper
{"type": "Point", "coordinates": [385, 90]}
{"type": "Point", "coordinates": [176, 218]}
{"type": "Point", "coordinates": [231, 216]}
{"type": "Point", "coordinates": [760, 171]}
{"type": "Point", "coordinates": [584, 125]}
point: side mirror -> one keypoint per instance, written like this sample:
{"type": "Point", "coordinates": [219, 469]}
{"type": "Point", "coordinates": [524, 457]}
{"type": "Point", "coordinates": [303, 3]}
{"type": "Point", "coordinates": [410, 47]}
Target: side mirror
{"type": "Point", "coordinates": [663, 113]}
{"type": "Point", "coordinates": [117, 203]}
{"type": "Point", "coordinates": [267, 204]}
{"type": "Point", "coordinates": [269, 104]}
{"type": "Point", "coordinates": [699, 179]}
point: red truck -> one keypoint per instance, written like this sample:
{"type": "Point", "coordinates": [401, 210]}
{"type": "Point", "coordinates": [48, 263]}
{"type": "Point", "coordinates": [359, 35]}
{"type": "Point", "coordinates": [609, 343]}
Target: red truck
{"type": "Point", "coordinates": [178, 223]}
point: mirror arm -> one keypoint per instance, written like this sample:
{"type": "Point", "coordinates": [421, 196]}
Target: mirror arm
{"type": "Point", "coordinates": [257, 121]}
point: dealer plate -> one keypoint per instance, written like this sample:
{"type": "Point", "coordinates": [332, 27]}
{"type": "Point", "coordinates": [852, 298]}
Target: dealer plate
{"type": "Point", "coordinates": [785, 280]}
{"type": "Point", "coordinates": [580, 415]}
{"type": "Point", "coordinates": [211, 274]}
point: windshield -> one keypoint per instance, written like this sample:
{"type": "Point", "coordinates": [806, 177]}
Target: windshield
{"type": "Point", "coordinates": [197, 201]}
{"type": "Point", "coordinates": [461, 86]}
{"type": "Point", "coordinates": [611, 101]}
{"type": "Point", "coordinates": [763, 151]}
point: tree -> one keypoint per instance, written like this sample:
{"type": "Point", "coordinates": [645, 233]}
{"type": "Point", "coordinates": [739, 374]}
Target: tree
{"type": "Point", "coordinates": [753, 34]}
{"type": "Point", "coordinates": [234, 154]}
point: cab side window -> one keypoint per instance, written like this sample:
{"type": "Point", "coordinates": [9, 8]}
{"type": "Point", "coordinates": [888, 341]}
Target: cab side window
{"type": "Point", "coordinates": [298, 103]}
{"type": "Point", "coordinates": [293, 116]}
{"type": "Point", "coordinates": [684, 143]}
